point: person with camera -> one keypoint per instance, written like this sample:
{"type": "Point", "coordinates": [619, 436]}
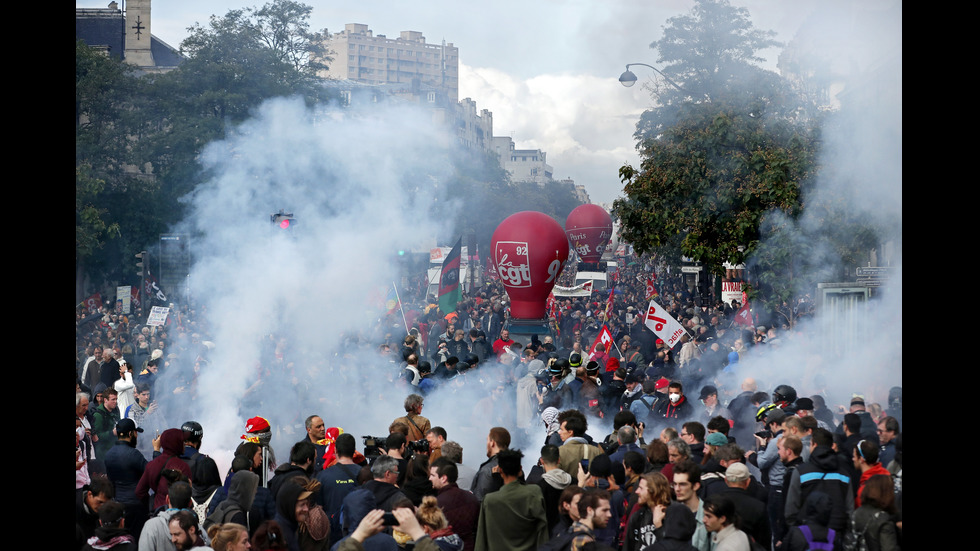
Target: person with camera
{"type": "Point", "coordinates": [772, 468]}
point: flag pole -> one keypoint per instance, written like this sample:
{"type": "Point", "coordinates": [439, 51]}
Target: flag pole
{"type": "Point", "coordinates": [400, 307]}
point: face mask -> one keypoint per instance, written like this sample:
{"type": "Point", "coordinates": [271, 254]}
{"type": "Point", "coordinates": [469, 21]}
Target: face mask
{"type": "Point", "coordinates": [674, 398]}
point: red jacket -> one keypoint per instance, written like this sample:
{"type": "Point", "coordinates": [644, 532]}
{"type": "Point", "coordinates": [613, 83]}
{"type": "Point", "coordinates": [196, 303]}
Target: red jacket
{"type": "Point", "coordinates": [172, 445]}
{"type": "Point", "coordinates": [874, 470]}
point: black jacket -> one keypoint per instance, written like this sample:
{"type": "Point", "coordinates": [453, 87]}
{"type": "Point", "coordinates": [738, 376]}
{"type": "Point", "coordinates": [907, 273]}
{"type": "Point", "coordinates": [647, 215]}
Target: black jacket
{"type": "Point", "coordinates": [124, 465]}
{"type": "Point", "coordinates": [824, 472]}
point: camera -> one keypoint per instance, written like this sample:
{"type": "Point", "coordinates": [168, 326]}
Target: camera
{"type": "Point", "coordinates": [419, 446]}
{"type": "Point", "coordinates": [374, 444]}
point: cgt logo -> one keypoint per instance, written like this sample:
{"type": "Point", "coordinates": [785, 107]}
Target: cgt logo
{"type": "Point", "coordinates": [513, 264]}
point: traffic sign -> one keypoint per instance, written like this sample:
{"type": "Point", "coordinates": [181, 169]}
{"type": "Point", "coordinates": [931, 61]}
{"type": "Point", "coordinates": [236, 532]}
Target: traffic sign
{"type": "Point", "coordinates": [874, 271]}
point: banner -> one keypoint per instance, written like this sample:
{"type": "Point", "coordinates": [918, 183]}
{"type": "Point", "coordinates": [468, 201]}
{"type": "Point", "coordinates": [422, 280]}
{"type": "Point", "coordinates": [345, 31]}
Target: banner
{"type": "Point", "coordinates": [158, 316]}
{"type": "Point", "coordinates": [605, 337]}
{"type": "Point", "coordinates": [123, 297]}
{"type": "Point", "coordinates": [731, 290]}
{"type": "Point", "coordinates": [449, 290]}
{"type": "Point", "coordinates": [663, 324]}
{"type": "Point", "coordinates": [581, 290]}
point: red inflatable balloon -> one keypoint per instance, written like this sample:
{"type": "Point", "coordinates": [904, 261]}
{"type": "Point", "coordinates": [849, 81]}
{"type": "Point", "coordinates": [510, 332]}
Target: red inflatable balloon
{"type": "Point", "coordinates": [529, 252]}
{"type": "Point", "coordinates": [589, 228]}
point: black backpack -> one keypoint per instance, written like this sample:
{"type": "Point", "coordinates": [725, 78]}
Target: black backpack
{"type": "Point", "coordinates": [562, 542]}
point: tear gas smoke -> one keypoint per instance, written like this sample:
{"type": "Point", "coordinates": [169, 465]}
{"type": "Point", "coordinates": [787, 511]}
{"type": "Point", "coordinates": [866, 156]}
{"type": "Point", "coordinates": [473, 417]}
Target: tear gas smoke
{"type": "Point", "coordinates": [361, 185]}
{"type": "Point", "coordinates": [861, 173]}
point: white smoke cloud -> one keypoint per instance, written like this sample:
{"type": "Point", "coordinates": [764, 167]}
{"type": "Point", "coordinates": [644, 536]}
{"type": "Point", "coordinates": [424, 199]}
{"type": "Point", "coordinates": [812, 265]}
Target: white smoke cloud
{"type": "Point", "coordinates": [861, 159]}
{"type": "Point", "coordinates": [362, 185]}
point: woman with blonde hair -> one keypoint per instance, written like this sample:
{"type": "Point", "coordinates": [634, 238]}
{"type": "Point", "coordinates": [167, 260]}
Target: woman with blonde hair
{"type": "Point", "coordinates": [229, 537]}
{"type": "Point", "coordinates": [436, 526]}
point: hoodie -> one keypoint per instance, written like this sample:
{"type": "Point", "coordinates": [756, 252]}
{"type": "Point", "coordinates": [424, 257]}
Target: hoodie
{"type": "Point", "coordinates": [677, 529]}
{"type": "Point", "coordinates": [241, 493]}
{"type": "Point", "coordinates": [172, 444]}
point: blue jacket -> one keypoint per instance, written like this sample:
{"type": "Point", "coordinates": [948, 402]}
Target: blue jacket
{"type": "Point", "coordinates": [124, 465]}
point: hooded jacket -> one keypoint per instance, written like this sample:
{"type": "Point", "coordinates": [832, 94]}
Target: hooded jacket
{"type": "Point", "coordinates": [241, 494]}
{"type": "Point", "coordinates": [677, 530]}
{"type": "Point", "coordinates": [824, 471]}
{"type": "Point", "coordinates": [172, 444]}
{"type": "Point", "coordinates": [816, 516]}
{"type": "Point", "coordinates": [356, 506]}
{"type": "Point", "coordinates": [286, 514]}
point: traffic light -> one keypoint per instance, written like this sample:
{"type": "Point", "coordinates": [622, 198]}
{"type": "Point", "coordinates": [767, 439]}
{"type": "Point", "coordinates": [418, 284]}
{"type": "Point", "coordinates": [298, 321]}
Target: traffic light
{"type": "Point", "coordinates": [283, 219]}
{"type": "Point", "coordinates": [142, 261]}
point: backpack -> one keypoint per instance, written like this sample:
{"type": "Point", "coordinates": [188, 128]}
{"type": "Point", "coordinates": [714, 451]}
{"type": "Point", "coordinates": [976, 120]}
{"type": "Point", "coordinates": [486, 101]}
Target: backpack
{"type": "Point", "coordinates": [226, 516]}
{"type": "Point", "coordinates": [754, 545]}
{"type": "Point", "coordinates": [202, 508]}
{"type": "Point", "coordinates": [853, 541]}
{"type": "Point", "coordinates": [562, 542]}
{"type": "Point", "coordinates": [818, 545]}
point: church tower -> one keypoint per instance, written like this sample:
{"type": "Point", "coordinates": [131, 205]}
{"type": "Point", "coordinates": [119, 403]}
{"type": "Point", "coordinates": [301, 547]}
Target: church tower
{"type": "Point", "coordinates": [138, 33]}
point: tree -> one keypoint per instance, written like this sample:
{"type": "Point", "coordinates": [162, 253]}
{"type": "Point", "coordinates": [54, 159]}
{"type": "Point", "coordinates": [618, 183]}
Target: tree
{"type": "Point", "coordinates": [283, 26]}
{"type": "Point", "coordinates": [708, 181]}
{"type": "Point", "coordinates": [103, 88]}
{"type": "Point", "coordinates": [138, 139]}
{"type": "Point", "coordinates": [730, 163]}
{"type": "Point", "coordinates": [712, 55]}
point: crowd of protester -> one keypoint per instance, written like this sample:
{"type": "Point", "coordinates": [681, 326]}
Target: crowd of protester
{"type": "Point", "coordinates": [633, 446]}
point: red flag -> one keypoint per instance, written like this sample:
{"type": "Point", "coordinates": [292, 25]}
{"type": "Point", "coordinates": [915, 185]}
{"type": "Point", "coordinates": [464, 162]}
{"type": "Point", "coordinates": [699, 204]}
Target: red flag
{"type": "Point", "coordinates": [93, 302]}
{"type": "Point", "coordinates": [605, 337]}
{"type": "Point", "coordinates": [743, 316]}
{"type": "Point", "coordinates": [651, 290]}
{"type": "Point", "coordinates": [609, 304]}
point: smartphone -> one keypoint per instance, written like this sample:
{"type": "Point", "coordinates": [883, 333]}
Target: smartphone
{"type": "Point", "coordinates": [388, 519]}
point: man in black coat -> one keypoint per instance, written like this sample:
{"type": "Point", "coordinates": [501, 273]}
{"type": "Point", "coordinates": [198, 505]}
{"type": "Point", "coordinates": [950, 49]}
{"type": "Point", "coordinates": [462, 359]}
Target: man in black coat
{"type": "Point", "coordinates": [88, 500]}
{"type": "Point", "coordinates": [755, 519]}
{"type": "Point", "coordinates": [124, 466]}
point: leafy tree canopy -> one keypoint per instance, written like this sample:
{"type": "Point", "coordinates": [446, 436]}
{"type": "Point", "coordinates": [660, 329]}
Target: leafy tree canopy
{"type": "Point", "coordinates": [707, 182]}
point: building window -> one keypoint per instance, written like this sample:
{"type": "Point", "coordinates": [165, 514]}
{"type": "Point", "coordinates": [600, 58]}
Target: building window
{"type": "Point", "coordinates": [432, 97]}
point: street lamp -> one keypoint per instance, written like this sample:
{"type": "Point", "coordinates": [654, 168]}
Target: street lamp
{"type": "Point", "coordinates": [628, 79]}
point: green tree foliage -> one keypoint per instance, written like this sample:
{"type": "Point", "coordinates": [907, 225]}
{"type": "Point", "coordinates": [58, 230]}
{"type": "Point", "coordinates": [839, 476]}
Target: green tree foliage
{"type": "Point", "coordinates": [707, 182]}
{"type": "Point", "coordinates": [103, 154]}
{"type": "Point", "coordinates": [712, 53]}
{"type": "Point", "coordinates": [724, 148]}
{"type": "Point", "coordinates": [138, 137]}
{"type": "Point", "coordinates": [730, 165]}
{"type": "Point", "coordinates": [283, 26]}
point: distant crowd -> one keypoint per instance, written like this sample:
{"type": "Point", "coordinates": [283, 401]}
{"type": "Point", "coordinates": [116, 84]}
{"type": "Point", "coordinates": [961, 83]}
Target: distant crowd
{"type": "Point", "coordinates": [691, 453]}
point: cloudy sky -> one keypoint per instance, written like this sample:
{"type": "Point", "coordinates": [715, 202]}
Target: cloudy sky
{"type": "Point", "coordinates": [547, 69]}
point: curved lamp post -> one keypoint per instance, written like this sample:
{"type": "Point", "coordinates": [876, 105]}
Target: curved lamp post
{"type": "Point", "coordinates": [628, 79]}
